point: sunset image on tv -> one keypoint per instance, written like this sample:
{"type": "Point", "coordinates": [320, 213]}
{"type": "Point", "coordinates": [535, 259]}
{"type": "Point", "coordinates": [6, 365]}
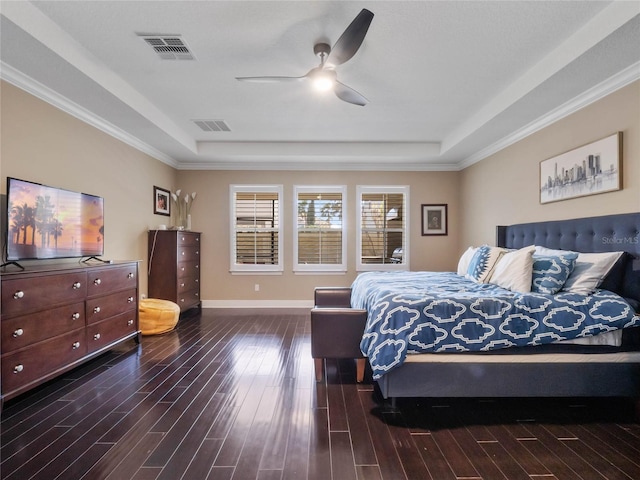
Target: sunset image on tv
{"type": "Point", "coordinates": [47, 222]}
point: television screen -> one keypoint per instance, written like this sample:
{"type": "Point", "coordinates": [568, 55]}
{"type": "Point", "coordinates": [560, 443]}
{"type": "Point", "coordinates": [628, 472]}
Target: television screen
{"type": "Point", "coordinates": [47, 222]}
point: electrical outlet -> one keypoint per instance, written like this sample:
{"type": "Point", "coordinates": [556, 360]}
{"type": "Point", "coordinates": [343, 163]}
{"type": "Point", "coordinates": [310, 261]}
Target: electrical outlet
{"type": "Point", "coordinates": [256, 287]}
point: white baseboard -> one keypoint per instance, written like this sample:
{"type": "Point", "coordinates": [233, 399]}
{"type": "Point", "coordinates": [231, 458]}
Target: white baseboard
{"type": "Point", "coordinates": [257, 303]}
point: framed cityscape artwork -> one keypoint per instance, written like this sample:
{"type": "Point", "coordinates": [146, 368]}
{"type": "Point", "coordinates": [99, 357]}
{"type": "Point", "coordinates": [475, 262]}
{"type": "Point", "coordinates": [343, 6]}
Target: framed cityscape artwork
{"type": "Point", "coordinates": [587, 170]}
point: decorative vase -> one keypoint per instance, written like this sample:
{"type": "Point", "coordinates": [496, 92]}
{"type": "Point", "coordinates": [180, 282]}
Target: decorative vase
{"type": "Point", "coordinates": [188, 221]}
{"type": "Point", "coordinates": [180, 221]}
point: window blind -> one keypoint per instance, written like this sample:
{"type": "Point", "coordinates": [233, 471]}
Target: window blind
{"type": "Point", "coordinates": [319, 229]}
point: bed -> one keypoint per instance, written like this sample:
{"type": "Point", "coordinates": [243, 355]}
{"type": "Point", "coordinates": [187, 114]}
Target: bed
{"type": "Point", "coordinates": [538, 368]}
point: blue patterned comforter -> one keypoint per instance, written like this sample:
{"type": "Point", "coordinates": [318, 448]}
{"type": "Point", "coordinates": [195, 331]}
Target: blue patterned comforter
{"type": "Point", "coordinates": [418, 312]}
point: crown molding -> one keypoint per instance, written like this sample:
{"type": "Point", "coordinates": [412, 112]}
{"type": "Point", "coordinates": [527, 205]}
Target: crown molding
{"type": "Point", "coordinates": [607, 87]}
{"type": "Point", "coordinates": [44, 93]}
{"type": "Point", "coordinates": [35, 88]}
{"type": "Point", "coordinates": [319, 165]}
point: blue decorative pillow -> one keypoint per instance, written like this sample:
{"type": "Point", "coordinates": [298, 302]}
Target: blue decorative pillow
{"type": "Point", "coordinates": [550, 272]}
{"type": "Point", "coordinates": [483, 263]}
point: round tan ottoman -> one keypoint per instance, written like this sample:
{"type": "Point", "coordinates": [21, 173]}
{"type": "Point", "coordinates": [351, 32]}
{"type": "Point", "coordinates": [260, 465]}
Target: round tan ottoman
{"type": "Point", "coordinates": [157, 316]}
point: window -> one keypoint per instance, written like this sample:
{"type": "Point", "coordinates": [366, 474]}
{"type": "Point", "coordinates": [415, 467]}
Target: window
{"type": "Point", "coordinates": [319, 238]}
{"type": "Point", "coordinates": [382, 229]}
{"type": "Point", "coordinates": [256, 245]}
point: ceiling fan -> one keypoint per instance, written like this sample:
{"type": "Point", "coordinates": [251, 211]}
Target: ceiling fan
{"type": "Point", "coordinates": [324, 76]}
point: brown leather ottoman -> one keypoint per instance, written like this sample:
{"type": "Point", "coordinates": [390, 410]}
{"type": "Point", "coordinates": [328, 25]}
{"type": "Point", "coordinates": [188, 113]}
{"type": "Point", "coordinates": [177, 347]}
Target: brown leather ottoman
{"type": "Point", "coordinates": [336, 329]}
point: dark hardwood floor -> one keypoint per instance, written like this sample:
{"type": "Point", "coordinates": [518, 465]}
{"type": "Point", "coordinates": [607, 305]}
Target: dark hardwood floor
{"type": "Point", "coordinates": [231, 395]}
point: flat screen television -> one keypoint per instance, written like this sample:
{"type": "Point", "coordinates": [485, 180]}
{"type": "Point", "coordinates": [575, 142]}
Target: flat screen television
{"type": "Point", "coordinates": [46, 222]}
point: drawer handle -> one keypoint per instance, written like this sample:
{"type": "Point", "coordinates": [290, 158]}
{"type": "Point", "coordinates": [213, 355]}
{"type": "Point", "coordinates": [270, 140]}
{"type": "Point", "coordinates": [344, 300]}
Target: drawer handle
{"type": "Point", "coordinates": [197, 266]}
{"type": "Point", "coordinates": [197, 280]}
{"type": "Point", "coordinates": [129, 322]}
{"type": "Point", "coordinates": [197, 252]}
{"type": "Point", "coordinates": [18, 332]}
{"type": "Point", "coordinates": [197, 294]}
{"type": "Point", "coordinates": [182, 300]}
{"type": "Point", "coordinates": [18, 295]}
{"type": "Point", "coordinates": [130, 275]}
{"type": "Point", "coordinates": [197, 239]}
{"type": "Point", "coordinates": [130, 300]}
{"type": "Point", "coordinates": [77, 285]}
{"type": "Point", "coordinates": [76, 345]}
{"type": "Point", "coordinates": [75, 316]}
{"type": "Point", "coordinates": [181, 253]}
{"type": "Point", "coordinates": [96, 336]}
{"type": "Point", "coordinates": [97, 281]}
{"type": "Point", "coordinates": [182, 284]}
{"type": "Point", "coordinates": [18, 368]}
{"type": "Point", "coordinates": [96, 310]}
{"type": "Point", "coordinates": [182, 269]}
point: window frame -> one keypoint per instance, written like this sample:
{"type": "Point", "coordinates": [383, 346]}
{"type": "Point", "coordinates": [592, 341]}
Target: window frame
{"type": "Point", "coordinates": [319, 267]}
{"type": "Point", "coordinates": [383, 189]}
{"type": "Point", "coordinates": [240, 268]}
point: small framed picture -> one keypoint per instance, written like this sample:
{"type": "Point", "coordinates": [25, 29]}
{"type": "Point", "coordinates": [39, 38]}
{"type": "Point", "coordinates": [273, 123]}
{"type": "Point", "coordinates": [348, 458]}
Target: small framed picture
{"type": "Point", "coordinates": [434, 219]}
{"type": "Point", "coordinates": [161, 203]}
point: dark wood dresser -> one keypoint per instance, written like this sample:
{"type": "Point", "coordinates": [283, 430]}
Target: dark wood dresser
{"type": "Point", "coordinates": [174, 267]}
{"type": "Point", "coordinates": [55, 317]}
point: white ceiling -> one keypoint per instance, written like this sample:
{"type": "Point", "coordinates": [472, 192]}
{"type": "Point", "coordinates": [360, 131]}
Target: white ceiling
{"type": "Point", "coordinates": [448, 82]}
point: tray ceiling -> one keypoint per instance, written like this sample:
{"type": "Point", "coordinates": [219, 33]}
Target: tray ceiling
{"type": "Point", "coordinates": [448, 82]}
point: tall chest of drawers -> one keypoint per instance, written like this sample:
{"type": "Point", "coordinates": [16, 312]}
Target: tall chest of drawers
{"type": "Point", "coordinates": [174, 267]}
{"type": "Point", "coordinates": [53, 318]}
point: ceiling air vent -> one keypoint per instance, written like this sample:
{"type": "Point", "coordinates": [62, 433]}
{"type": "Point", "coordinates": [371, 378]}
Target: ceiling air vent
{"type": "Point", "coordinates": [212, 125]}
{"type": "Point", "coordinates": [169, 47]}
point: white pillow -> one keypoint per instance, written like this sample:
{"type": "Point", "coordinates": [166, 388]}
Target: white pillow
{"type": "Point", "coordinates": [590, 270]}
{"type": "Point", "coordinates": [550, 251]}
{"type": "Point", "coordinates": [514, 270]}
{"type": "Point", "coordinates": [465, 259]}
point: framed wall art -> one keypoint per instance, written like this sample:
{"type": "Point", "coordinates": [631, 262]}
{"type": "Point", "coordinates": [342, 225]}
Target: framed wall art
{"type": "Point", "coordinates": [588, 170]}
{"type": "Point", "coordinates": [434, 219]}
{"type": "Point", "coordinates": [161, 201]}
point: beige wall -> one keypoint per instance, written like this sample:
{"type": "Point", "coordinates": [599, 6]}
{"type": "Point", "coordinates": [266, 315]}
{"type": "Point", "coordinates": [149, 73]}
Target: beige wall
{"type": "Point", "coordinates": [42, 144]}
{"type": "Point", "coordinates": [210, 215]}
{"type": "Point", "coordinates": [503, 189]}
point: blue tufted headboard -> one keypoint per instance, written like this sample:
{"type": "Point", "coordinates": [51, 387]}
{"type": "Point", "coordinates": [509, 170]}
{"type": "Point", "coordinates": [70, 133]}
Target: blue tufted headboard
{"type": "Point", "coordinates": [593, 234]}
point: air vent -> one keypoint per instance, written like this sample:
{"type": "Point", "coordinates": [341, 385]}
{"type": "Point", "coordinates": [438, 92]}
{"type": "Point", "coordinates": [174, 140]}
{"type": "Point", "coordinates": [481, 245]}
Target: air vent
{"type": "Point", "coordinates": [212, 125]}
{"type": "Point", "coordinates": [169, 47]}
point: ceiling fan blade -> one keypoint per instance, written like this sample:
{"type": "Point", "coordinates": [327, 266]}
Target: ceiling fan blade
{"type": "Point", "coordinates": [351, 39]}
{"type": "Point", "coordinates": [348, 94]}
{"type": "Point", "coordinates": [271, 79]}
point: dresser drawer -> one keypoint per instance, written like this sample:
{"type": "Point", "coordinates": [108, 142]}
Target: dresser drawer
{"type": "Point", "coordinates": [188, 299]}
{"type": "Point", "coordinates": [101, 308]}
{"type": "Point", "coordinates": [188, 283]}
{"type": "Point", "coordinates": [189, 269]}
{"type": "Point", "coordinates": [18, 332]}
{"type": "Point", "coordinates": [26, 294]}
{"type": "Point", "coordinates": [108, 331]}
{"type": "Point", "coordinates": [31, 363]}
{"type": "Point", "coordinates": [102, 281]}
{"type": "Point", "coordinates": [186, 238]}
{"type": "Point", "coordinates": [189, 253]}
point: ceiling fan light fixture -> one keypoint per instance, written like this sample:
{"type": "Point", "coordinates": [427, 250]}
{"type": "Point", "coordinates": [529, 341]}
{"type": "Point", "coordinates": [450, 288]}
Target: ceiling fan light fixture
{"type": "Point", "coordinates": [323, 80]}
{"type": "Point", "coordinates": [324, 77]}
{"type": "Point", "coordinates": [323, 83]}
